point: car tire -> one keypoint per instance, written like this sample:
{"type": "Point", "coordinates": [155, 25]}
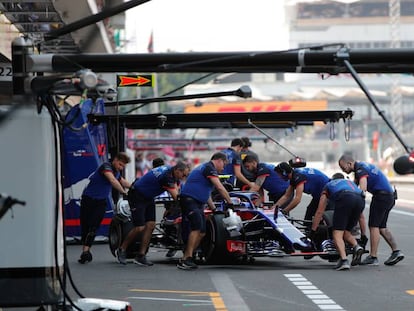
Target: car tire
{"type": "Point", "coordinates": [214, 244]}
{"type": "Point", "coordinates": [118, 230]}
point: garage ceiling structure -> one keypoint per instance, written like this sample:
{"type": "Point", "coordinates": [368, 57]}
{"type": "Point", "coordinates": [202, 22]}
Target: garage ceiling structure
{"type": "Point", "coordinates": [36, 18]}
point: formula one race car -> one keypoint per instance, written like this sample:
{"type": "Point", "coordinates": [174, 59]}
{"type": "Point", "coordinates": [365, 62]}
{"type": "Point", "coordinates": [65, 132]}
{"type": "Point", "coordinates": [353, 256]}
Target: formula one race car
{"type": "Point", "coordinates": [249, 232]}
{"type": "Point", "coordinates": [239, 234]}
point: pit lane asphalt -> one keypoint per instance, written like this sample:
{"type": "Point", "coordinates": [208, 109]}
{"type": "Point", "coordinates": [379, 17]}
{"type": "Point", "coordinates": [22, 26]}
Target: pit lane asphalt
{"type": "Point", "coordinates": [267, 284]}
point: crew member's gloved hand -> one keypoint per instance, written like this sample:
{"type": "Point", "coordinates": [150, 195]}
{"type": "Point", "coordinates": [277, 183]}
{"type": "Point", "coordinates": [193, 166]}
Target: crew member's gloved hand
{"type": "Point", "coordinates": [125, 196]}
{"type": "Point", "coordinates": [276, 211]}
{"type": "Point", "coordinates": [311, 234]}
{"type": "Point", "coordinates": [228, 206]}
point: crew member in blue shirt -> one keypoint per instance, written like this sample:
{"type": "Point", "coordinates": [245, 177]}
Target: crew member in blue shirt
{"type": "Point", "coordinates": [349, 202]}
{"type": "Point", "coordinates": [234, 164]}
{"type": "Point", "coordinates": [142, 205]}
{"type": "Point", "coordinates": [266, 178]}
{"type": "Point", "coordinates": [243, 153]}
{"type": "Point", "coordinates": [94, 199]}
{"type": "Point", "coordinates": [371, 179]}
{"type": "Point", "coordinates": [195, 194]}
{"type": "Point", "coordinates": [301, 180]}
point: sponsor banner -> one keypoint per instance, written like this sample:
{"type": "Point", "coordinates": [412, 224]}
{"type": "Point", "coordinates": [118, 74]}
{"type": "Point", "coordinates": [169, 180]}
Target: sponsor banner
{"type": "Point", "coordinates": [259, 106]}
{"type": "Point", "coordinates": [85, 148]}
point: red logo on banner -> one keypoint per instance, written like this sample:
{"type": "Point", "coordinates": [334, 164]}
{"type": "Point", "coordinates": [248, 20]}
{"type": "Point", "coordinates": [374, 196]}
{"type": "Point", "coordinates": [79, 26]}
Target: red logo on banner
{"type": "Point", "coordinates": [101, 149]}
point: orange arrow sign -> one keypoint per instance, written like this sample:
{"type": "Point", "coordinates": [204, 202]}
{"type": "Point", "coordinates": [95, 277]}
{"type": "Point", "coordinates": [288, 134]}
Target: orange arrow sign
{"type": "Point", "coordinates": [133, 80]}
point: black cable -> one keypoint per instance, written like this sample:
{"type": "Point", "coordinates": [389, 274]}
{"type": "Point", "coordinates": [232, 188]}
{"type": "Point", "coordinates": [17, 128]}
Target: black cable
{"type": "Point", "coordinates": [66, 266]}
{"type": "Point", "coordinates": [271, 138]}
{"type": "Point", "coordinates": [188, 83]}
{"type": "Point", "coordinates": [59, 184]}
{"type": "Point", "coordinates": [48, 102]}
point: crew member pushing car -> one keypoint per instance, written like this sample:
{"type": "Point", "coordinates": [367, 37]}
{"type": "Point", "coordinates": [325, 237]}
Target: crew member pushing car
{"type": "Point", "coordinates": [266, 179]}
{"type": "Point", "coordinates": [195, 194]}
{"type": "Point", "coordinates": [349, 202]}
{"type": "Point", "coordinates": [302, 180]}
{"type": "Point", "coordinates": [371, 179]}
{"type": "Point", "coordinates": [142, 205]}
{"type": "Point", "coordinates": [94, 199]}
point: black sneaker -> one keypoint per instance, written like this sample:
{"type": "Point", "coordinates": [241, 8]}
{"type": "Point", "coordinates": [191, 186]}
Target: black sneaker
{"type": "Point", "coordinates": [187, 264]}
{"type": "Point", "coordinates": [85, 257]}
{"type": "Point", "coordinates": [142, 261]}
{"type": "Point", "coordinates": [121, 256]}
{"type": "Point", "coordinates": [342, 264]}
{"type": "Point", "coordinates": [357, 254]}
{"type": "Point", "coordinates": [395, 257]}
{"type": "Point", "coordinates": [363, 241]}
{"type": "Point", "coordinates": [370, 261]}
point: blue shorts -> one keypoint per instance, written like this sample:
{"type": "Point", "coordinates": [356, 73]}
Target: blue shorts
{"type": "Point", "coordinates": [347, 210]}
{"type": "Point", "coordinates": [193, 214]}
{"type": "Point", "coordinates": [381, 205]}
{"type": "Point", "coordinates": [142, 209]}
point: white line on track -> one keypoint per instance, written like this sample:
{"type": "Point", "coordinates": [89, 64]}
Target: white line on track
{"type": "Point", "coordinates": [228, 292]}
{"type": "Point", "coordinates": [402, 213]}
{"type": "Point", "coordinates": [395, 209]}
{"type": "Point", "coordinates": [313, 293]}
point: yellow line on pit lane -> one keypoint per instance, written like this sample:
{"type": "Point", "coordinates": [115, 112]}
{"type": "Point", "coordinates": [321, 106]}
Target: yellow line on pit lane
{"type": "Point", "coordinates": [215, 297]}
{"type": "Point", "coordinates": [218, 302]}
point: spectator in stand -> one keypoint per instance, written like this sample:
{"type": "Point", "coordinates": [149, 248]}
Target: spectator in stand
{"type": "Point", "coordinates": [141, 164]}
{"type": "Point", "coordinates": [370, 178]}
{"type": "Point", "coordinates": [233, 167]}
{"type": "Point", "coordinates": [94, 199]}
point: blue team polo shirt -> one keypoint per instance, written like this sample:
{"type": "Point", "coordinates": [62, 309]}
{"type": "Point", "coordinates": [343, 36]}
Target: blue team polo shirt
{"type": "Point", "coordinates": [314, 180]}
{"type": "Point", "coordinates": [333, 188]}
{"type": "Point", "coordinates": [198, 185]}
{"type": "Point", "coordinates": [274, 184]}
{"type": "Point", "coordinates": [99, 186]}
{"type": "Point", "coordinates": [155, 182]}
{"type": "Point", "coordinates": [376, 180]}
{"type": "Point", "coordinates": [233, 158]}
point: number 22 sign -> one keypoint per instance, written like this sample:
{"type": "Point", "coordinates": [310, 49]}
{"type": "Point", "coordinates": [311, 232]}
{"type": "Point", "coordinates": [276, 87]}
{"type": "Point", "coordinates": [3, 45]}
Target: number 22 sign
{"type": "Point", "coordinates": [6, 73]}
